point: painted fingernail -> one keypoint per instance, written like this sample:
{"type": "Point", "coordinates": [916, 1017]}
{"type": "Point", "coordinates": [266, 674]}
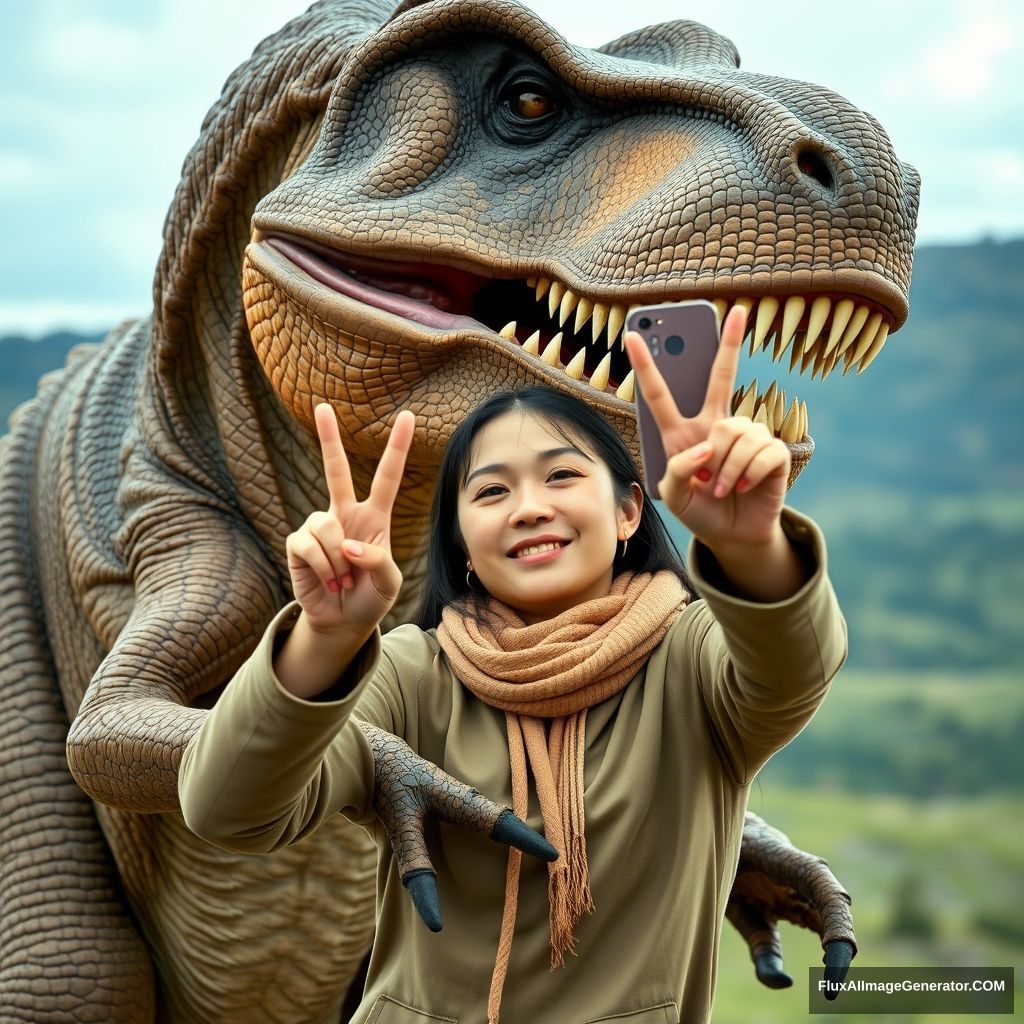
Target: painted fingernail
{"type": "Point", "coordinates": [719, 490]}
{"type": "Point", "coordinates": [704, 473]}
{"type": "Point", "coordinates": [333, 586]}
{"type": "Point", "coordinates": [743, 484]}
{"type": "Point", "coordinates": [702, 449]}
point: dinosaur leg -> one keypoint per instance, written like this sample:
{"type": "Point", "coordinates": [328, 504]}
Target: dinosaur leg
{"type": "Point", "coordinates": [69, 951]}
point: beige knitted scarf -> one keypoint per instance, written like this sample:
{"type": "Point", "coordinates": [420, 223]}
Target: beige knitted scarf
{"type": "Point", "coordinates": [556, 669]}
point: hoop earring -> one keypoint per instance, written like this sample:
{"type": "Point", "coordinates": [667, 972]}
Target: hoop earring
{"type": "Point", "coordinates": [468, 583]}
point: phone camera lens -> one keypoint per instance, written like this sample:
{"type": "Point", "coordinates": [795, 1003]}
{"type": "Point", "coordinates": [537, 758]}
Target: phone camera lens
{"type": "Point", "coordinates": [644, 322]}
{"type": "Point", "coordinates": [673, 344]}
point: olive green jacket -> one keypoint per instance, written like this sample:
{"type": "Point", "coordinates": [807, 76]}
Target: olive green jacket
{"type": "Point", "coordinates": [668, 763]}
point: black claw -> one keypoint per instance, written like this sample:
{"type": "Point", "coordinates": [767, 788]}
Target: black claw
{"type": "Point", "coordinates": [838, 954]}
{"type": "Point", "coordinates": [515, 832]}
{"type": "Point", "coordinates": [422, 886]}
{"type": "Point", "coordinates": [769, 971]}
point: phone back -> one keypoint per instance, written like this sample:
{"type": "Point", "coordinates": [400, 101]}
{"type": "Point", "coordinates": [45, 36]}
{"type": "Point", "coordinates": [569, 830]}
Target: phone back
{"type": "Point", "coordinates": [682, 337]}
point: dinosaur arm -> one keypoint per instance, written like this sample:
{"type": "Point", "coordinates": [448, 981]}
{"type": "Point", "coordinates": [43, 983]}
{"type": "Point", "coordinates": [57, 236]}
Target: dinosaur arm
{"type": "Point", "coordinates": [203, 594]}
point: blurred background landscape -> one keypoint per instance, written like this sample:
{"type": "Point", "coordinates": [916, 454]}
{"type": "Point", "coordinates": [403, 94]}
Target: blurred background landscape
{"type": "Point", "coordinates": [908, 780]}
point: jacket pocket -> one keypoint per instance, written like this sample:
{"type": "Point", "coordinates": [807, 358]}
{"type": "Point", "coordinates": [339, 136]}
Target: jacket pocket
{"type": "Point", "coordinates": [663, 1013]}
{"type": "Point", "coordinates": [388, 1010]}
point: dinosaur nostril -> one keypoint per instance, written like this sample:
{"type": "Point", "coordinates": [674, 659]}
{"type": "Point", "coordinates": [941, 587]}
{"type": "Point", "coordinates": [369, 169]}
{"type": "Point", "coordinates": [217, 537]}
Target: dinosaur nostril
{"type": "Point", "coordinates": [812, 165]}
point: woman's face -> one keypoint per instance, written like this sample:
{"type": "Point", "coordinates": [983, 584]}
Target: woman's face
{"type": "Point", "coordinates": [527, 484]}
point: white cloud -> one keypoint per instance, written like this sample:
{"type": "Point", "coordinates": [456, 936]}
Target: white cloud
{"type": "Point", "coordinates": [974, 62]}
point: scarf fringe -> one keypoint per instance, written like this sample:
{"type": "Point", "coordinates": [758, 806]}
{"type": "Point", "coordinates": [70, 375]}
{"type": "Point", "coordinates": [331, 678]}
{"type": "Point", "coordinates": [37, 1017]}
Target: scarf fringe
{"type": "Point", "coordinates": [569, 899]}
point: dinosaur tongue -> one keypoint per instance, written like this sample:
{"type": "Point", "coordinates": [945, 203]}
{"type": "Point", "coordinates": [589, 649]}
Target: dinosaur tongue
{"type": "Point", "coordinates": [428, 296]}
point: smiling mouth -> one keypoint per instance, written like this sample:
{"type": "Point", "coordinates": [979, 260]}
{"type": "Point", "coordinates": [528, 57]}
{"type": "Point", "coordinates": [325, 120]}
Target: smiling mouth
{"type": "Point", "coordinates": [539, 549]}
{"type": "Point", "coordinates": [550, 323]}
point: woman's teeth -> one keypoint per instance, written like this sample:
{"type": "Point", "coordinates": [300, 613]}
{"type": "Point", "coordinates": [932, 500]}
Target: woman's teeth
{"type": "Point", "coordinates": [536, 550]}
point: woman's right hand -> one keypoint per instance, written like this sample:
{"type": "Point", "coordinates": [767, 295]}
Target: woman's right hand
{"type": "Point", "coordinates": [342, 572]}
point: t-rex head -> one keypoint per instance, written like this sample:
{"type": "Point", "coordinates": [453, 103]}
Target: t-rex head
{"type": "Point", "coordinates": [428, 204]}
{"type": "Point", "coordinates": [483, 202]}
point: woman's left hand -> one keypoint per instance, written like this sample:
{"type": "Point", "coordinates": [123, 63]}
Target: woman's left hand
{"type": "Point", "coordinates": [726, 476]}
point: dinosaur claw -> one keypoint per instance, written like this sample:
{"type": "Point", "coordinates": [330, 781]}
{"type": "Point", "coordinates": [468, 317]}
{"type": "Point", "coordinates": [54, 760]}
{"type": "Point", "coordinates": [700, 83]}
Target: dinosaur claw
{"type": "Point", "coordinates": [422, 886]}
{"type": "Point", "coordinates": [838, 954]}
{"type": "Point", "coordinates": [515, 832]}
{"type": "Point", "coordinates": [768, 967]}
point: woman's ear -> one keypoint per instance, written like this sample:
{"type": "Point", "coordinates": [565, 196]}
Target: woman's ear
{"type": "Point", "coordinates": [631, 509]}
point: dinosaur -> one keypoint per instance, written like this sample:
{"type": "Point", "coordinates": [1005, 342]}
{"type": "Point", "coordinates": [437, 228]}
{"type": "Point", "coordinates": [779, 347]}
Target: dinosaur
{"type": "Point", "coordinates": [386, 208]}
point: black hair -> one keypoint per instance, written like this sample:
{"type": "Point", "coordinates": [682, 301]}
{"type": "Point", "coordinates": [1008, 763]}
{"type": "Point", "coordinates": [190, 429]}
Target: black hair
{"type": "Point", "coordinates": [650, 548]}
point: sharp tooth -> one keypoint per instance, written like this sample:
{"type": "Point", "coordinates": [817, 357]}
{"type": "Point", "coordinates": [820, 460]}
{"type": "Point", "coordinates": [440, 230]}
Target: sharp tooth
{"type": "Point", "coordinates": [532, 344]}
{"type": "Point", "coordinates": [616, 318]}
{"type": "Point", "coordinates": [790, 428]}
{"type": "Point", "coordinates": [803, 420]}
{"type": "Point", "coordinates": [721, 308]}
{"type": "Point", "coordinates": [811, 352]}
{"type": "Point", "coordinates": [779, 408]}
{"type": "Point", "coordinates": [790, 318]}
{"type": "Point", "coordinates": [550, 354]}
{"type": "Point", "coordinates": [583, 311]}
{"type": "Point", "coordinates": [797, 352]}
{"type": "Point", "coordinates": [766, 310]}
{"type": "Point", "coordinates": [736, 396]}
{"type": "Point", "coordinates": [867, 336]}
{"type": "Point", "coordinates": [840, 318]}
{"type": "Point", "coordinates": [599, 320]}
{"type": "Point", "coordinates": [568, 304]}
{"type": "Point", "coordinates": [532, 282]}
{"type": "Point", "coordinates": [599, 378]}
{"type": "Point", "coordinates": [876, 347]}
{"type": "Point", "coordinates": [555, 296]}
{"type": "Point", "coordinates": [575, 367]}
{"type": "Point", "coordinates": [509, 330]}
{"type": "Point", "coordinates": [824, 359]}
{"type": "Point", "coordinates": [854, 328]}
{"type": "Point", "coordinates": [762, 417]}
{"type": "Point", "coordinates": [543, 284]}
{"type": "Point", "coordinates": [746, 406]}
{"type": "Point", "coordinates": [769, 395]}
{"type": "Point", "coordinates": [625, 389]}
{"type": "Point", "coordinates": [819, 314]}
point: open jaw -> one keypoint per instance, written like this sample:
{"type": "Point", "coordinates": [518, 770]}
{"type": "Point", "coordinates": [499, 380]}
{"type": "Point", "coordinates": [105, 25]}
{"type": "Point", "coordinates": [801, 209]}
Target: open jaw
{"type": "Point", "coordinates": [550, 323]}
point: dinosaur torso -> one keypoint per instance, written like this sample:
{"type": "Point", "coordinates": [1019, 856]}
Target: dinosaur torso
{"type": "Point", "coordinates": [386, 210]}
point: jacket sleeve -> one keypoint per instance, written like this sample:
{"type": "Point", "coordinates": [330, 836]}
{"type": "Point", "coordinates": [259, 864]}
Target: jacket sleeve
{"type": "Point", "coordinates": [763, 668]}
{"type": "Point", "coordinates": [267, 768]}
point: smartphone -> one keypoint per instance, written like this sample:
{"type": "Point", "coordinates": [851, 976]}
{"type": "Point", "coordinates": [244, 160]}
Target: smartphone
{"type": "Point", "coordinates": [683, 339]}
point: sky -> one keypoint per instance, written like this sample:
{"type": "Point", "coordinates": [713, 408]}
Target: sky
{"type": "Point", "coordinates": [100, 102]}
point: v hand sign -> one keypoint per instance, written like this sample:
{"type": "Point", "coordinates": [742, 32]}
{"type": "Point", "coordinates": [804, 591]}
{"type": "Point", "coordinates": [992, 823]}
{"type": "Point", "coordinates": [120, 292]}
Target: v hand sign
{"type": "Point", "coordinates": [725, 478]}
{"type": "Point", "coordinates": [340, 560]}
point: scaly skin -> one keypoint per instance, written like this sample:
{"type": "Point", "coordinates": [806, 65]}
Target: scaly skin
{"type": "Point", "coordinates": [146, 493]}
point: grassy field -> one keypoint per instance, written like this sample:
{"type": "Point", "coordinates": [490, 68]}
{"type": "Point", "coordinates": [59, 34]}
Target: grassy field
{"type": "Point", "coordinates": [934, 883]}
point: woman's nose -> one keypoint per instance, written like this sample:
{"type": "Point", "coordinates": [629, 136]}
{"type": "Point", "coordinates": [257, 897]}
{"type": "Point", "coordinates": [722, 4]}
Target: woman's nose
{"type": "Point", "coordinates": [530, 507]}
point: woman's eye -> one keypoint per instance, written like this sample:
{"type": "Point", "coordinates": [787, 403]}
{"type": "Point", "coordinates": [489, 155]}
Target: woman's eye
{"type": "Point", "coordinates": [569, 471]}
{"type": "Point", "coordinates": [487, 490]}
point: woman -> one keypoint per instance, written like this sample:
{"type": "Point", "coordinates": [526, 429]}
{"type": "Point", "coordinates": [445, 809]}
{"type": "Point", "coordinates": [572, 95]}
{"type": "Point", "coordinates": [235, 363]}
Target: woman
{"type": "Point", "coordinates": [557, 632]}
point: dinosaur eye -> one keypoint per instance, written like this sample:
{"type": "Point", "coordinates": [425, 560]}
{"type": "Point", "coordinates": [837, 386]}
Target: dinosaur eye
{"type": "Point", "coordinates": [531, 105]}
{"type": "Point", "coordinates": [528, 110]}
